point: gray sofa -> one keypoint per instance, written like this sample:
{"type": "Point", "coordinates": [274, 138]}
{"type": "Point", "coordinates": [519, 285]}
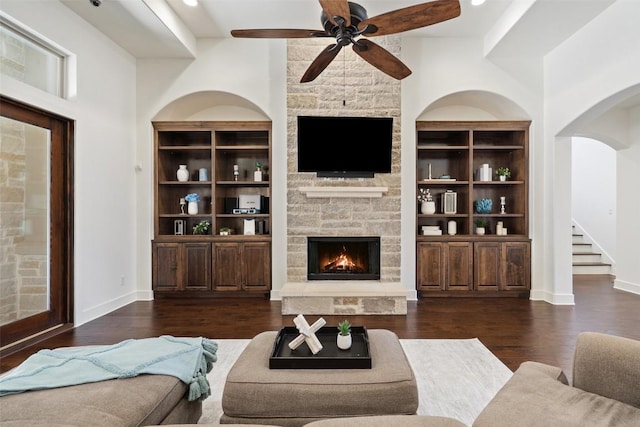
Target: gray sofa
{"type": "Point", "coordinates": [139, 401]}
{"type": "Point", "coordinates": [605, 390]}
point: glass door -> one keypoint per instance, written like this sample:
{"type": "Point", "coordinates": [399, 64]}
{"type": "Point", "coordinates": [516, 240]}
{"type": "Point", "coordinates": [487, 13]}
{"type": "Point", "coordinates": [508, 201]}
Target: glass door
{"type": "Point", "coordinates": [35, 222]}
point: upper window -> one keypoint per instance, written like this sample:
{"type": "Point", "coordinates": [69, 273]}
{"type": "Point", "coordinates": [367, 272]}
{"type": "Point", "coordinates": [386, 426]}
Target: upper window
{"type": "Point", "coordinates": [31, 59]}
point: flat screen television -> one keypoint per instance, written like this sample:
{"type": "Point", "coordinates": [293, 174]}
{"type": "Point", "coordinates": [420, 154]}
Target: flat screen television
{"type": "Point", "coordinates": [346, 147]}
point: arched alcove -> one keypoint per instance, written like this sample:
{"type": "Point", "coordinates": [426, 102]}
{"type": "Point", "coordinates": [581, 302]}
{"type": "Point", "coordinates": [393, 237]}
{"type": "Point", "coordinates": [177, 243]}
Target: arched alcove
{"type": "Point", "coordinates": [613, 122]}
{"type": "Point", "coordinates": [473, 105]}
{"type": "Point", "coordinates": [608, 121]}
{"type": "Point", "coordinates": [211, 106]}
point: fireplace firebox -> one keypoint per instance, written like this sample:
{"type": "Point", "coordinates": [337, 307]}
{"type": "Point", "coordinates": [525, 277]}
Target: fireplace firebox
{"type": "Point", "coordinates": [343, 258]}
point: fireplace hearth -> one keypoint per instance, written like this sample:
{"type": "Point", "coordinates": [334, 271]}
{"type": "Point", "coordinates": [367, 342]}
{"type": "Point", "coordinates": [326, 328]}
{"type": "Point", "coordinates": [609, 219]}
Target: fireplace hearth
{"type": "Point", "coordinates": [343, 258]}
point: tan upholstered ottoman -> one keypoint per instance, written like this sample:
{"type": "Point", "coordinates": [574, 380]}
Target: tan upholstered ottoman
{"type": "Point", "coordinates": [253, 393]}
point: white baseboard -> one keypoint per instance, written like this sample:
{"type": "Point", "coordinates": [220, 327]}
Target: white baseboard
{"type": "Point", "coordinates": [100, 310]}
{"type": "Point", "coordinates": [551, 298]}
{"type": "Point", "coordinates": [634, 288]}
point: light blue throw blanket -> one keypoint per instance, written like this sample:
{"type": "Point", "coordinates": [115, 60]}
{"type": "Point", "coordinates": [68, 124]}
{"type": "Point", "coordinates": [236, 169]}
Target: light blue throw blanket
{"type": "Point", "coordinates": [188, 359]}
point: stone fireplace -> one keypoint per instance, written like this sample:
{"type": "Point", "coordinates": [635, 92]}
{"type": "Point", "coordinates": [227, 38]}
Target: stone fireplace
{"type": "Point", "coordinates": [331, 208]}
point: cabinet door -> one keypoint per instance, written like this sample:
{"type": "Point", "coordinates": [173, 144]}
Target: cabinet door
{"type": "Point", "coordinates": [197, 270]}
{"type": "Point", "coordinates": [227, 267]}
{"type": "Point", "coordinates": [486, 262]}
{"type": "Point", "coordinates": [257, 266]}
{"type": "Point", "coordinates": [166, 267]}
{"type": "Point", "coordinates": [459, 270]}
{"type": "Point", "coordinates": [515, 266]}
{"type": "Point", "coordinates": [431, 262]}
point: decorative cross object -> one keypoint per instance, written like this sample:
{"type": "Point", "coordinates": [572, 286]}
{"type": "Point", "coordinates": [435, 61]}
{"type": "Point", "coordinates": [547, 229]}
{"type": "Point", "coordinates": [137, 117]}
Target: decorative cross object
{"type": "Point", "coordinates": [307, 334]}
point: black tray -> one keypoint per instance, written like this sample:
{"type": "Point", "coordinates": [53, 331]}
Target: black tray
{"type": "Point", "coordinates": [330, 357]}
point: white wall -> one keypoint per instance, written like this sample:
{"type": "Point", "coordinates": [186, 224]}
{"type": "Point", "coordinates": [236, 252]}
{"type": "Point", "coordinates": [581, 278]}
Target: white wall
{"type": "Point", "coordinates": [628, 206]}
{"type": "Point", "coordinates": [593, 192]}
{"type": "Point", "coordinates": [584, 78]}
{"type": "Point", "coordinates": [104, 181]}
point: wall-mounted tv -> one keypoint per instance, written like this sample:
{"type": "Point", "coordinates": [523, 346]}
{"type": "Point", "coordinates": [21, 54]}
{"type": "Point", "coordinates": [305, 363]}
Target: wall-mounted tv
{"type": "Point", "coordinates": [346, 147]}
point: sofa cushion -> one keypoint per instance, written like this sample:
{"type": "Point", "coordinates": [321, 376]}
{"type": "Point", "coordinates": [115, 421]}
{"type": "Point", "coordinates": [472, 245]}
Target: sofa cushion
{"type": "Point", "coordinates": [389, 421]}
{"type": "Point", "coordinates": [138, 401]}
{"type": "Point", "coordinates": [534, 396]}
{"type": "Point", "coordinates": [609, 366]}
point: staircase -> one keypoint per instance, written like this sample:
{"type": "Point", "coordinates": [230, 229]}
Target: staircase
{"type": "Point", "coordinates": [585, 260]}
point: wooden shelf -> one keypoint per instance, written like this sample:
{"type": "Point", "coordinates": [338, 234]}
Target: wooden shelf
{"type": "Point", "coordinates": [197, 265]}
{"type": "Point", "coordinates": [467, 263]}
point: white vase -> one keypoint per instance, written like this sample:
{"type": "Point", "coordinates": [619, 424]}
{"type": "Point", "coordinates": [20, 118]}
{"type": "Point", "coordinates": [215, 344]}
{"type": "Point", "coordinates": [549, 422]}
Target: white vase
{"type": "Point", "coordinates": [182, 174]}
{"type": "Point", "coordinates": [192, 208]}
{"type": "Point", "coordinates": [344, 342]}
{"type": "Point", "coordinates": [428, 208]}
{"type": "Point", "coordinates": [452, 228]}
{"type": "Point", "coordinates": [502, 177]}
{"type": "Point", "coordinates": [480, 231]}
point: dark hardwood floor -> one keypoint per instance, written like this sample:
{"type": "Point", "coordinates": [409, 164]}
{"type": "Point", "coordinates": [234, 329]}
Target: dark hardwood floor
{"type": "Point", "coordinates": [515, 330]}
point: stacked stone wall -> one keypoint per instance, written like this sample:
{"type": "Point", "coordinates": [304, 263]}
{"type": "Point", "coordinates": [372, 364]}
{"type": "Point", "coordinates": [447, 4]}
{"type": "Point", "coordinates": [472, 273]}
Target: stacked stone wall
{"type": "Point", "coordinates": [348, 87]}
{"type": "Point", "coordinates": [23, 259]}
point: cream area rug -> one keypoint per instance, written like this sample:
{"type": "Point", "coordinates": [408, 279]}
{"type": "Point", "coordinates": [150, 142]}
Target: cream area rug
{"type": "Point", "coordinates": [456, 378]}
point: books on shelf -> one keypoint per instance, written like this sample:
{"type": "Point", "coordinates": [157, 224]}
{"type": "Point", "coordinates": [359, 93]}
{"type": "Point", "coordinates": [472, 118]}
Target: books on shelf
{"type": "Point", "coordinates": [431, 230]}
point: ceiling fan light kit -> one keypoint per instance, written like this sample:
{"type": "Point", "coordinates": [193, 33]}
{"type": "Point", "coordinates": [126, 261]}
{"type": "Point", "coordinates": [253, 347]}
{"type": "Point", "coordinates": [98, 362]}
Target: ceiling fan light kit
{"type": "Point", "coordinates": [347, 22]}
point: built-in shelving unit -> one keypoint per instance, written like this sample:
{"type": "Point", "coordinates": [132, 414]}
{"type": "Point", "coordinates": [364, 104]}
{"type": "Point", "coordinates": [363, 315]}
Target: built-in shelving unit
{"type": "Point", "coordinates": [229, 153]}
{"type": "Point", "coordinates": [448, 157]}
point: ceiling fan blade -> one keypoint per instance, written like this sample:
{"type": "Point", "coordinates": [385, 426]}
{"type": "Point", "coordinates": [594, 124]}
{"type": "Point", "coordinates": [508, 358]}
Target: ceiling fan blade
{"type": "Point", "coordinates": [278, 33]}
{"type": "Point", "coordinates": [321, 62]}
{"type": "Point", "coordinates": [381, 59]}
{"type": "Point", "coordinates": [410, 18]}
{"type": "Point", "coordinates": [337, 8]}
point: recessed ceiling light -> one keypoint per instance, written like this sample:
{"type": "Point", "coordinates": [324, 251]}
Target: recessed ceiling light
{"type": "Point", "coordinates": [194, 3]}
{"type": "Point", "coordinates": [477, 2]}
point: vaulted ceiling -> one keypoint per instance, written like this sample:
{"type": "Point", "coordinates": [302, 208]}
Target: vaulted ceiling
{"type": "Point", "coordinates": [169, 28]}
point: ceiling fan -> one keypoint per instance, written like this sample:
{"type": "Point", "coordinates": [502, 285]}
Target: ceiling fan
{"type": "Point", "coordinates": [346, 21]}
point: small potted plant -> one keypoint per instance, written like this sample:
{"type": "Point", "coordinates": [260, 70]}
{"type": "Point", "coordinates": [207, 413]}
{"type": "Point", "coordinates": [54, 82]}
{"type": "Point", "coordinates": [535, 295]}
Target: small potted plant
{"type": "Point", "coordinates": [344, 336]}
{"type": "Point", "coordinates": [503, 173]}
{"type": "Point", "coordinates": [225, 231]}
{"type": "Point", "coordinates": [202, 227]}
{"type": "Point", "coordinates": [481, 224]}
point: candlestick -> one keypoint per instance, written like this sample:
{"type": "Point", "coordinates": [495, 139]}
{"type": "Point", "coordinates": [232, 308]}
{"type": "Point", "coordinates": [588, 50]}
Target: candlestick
{"type": "Point", "coordinates": [429, 170]}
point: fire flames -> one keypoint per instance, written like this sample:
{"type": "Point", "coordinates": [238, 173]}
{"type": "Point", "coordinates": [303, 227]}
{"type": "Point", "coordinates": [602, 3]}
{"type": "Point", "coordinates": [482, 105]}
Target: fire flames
{"type": "Point", "coordinates": [341, 264]}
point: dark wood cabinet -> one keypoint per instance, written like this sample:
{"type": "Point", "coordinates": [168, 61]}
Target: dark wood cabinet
{"type": "Point", "coordinates": [449, 160]}
{"type": "Point", "coordinates": [431, 262]}
{"type": "Point", "coordinates": [228, 166]}
{"type": "Point", "coordinates": [515, 271]}
{"type": "Point", "coordinates": [486, 257]}
{"type": "Point", "coordinates": [459, 266]}
{"type": "Point", "coordinates": [181, 267]}
{"type": "Point", "coordinates": [444, 266]}
{"type": "Point", "coordinates": [242, 266]}
{"type": "Point", "coordinates": [473, 268]}
{"type": "Point", "coordinates": [227, 267]}
{"type": "Point", "coordinates": [256, 257]}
